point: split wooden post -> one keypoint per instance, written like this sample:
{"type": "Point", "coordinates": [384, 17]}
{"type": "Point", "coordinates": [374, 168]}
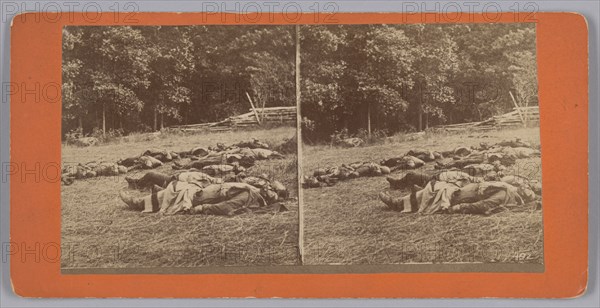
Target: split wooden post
{"type": "Point", "coordinates": [517, 108]}
{"type": "Point", "coordinates": [262, 111]}
{"type": "Point", "coordinates": [253, 109]}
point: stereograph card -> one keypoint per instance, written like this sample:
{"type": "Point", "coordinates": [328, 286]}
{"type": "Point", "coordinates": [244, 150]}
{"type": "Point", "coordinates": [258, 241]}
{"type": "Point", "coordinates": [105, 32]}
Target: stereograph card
{"type": "Point", "coordinates": [346, 155]}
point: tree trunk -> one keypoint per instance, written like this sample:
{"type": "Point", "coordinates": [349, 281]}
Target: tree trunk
{"type": "Point", "coordinates": [80, 122]}
{"type": "Point", "coordinates": [426, 120]}
{"type": "Point", "coordinates": [155, 119]}
{"type": "Point", "coordinates": [420, 116]}
{"type": "Point", "coordinates": [103, 120]}
{"type": "Point", "coordinates": [369, 120]}
{"type": "Point", "coordinates": [162, 123]}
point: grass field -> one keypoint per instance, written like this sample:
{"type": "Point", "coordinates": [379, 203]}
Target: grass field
{"type": "Point", "coordinates": [344, 224]}
{"type": "Point", "coordinates": [99, 232]}
{"type": "Point", "coordinates": [347, 224]}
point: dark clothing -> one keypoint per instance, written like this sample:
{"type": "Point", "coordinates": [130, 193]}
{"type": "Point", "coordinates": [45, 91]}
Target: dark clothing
{"type": "Point", "coordinates": [195, 198]}
{"type": "Point", "coordinates": [228, 205]}
{"type": "Point", "coordinates": [425, 155]}
{"type": "Point", "coordinates": [150, 179]}
{"type": "Point", "coordinates": [128, 162]}
{"type": "Point", "coordinates": [162, 155]}
{"type": "Point", "coordinates": [202, 162]}
{"type": "Point", "coordinates": [461, 163]}
{"type": "Point", "coordinates": [477, 199]}
{"type": "Point", "coordinates": [399, 163]}
{"type": "Point", "coordinates": [252, 144]}
{"type": "Point", "coordinates": [515, 143]}
{"type": "Point", "coordinates": [409, 179]}
{"type": "Point", "coordinates": [242, 160]}
{"type": "Point", "coordinates": [444, 197]}
{"type": "Point", "coordinates": [484, 205]}
{"type": "Point", "coordinates": [466, 194]}
{"type": "Point", "coordinates": [217, 159]}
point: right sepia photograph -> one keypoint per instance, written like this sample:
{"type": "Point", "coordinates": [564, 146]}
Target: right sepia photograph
{"type": "Point", "coordinates": [420, 144]}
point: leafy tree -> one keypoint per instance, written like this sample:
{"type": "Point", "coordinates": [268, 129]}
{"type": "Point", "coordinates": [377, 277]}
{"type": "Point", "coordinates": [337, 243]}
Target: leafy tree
{"type": "Point", "coordinates": [74, 103]}
{"type": "Point", "coordinates": [407, 77]}
{"type": "Point", "coordinates": [171, 66]}
{"type": "Point", "coordinates": [354, 77]}
{"type": "Point", "coordinates": [436, 63]}
{"type": "Point", "coordinates": [519, 53]}
{"type": "Point", "coordinates": [355, 74]}
{"type": "Point", "coordinates": [106, 68]}
{"type": "Point", "coordinates": [136, 78]}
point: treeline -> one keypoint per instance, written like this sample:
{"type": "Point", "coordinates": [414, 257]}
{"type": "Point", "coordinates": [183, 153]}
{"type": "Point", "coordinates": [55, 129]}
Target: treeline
{"type": "Point", "coordinates": [384, 78]}
{"type": "Point", "coordinates": [409, 77]}
{"type": "Point", "coordinates": [145, 78]}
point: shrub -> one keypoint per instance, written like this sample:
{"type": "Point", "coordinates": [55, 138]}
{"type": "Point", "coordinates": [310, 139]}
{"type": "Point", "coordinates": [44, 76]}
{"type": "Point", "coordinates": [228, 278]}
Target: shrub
{"type": "Point", "coordinates": [110, 136]}
{"type": "Point", "coordinates": [309, 131]}
{"type": "Point", "coordinates": [73, 135]}
{"type": "Point", "coordinates": [377, 137]}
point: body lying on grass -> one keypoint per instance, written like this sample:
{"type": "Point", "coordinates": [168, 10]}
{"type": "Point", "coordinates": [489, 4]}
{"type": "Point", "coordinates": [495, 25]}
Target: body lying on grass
{"type": "Point", "coordinates": [458, 192]}
{"type": "Point", "coordinates": [149, 159]}
{"type": "Point", "coordinates": [91, 169]}
{"type": "Point", "coordinates": [243, 153]}
{"type": "Point", "coordinates": [244, 157]}
{"type": "Point", "coordinates": [485, 161]}
{"type": "Point", "coordinates": [200, 151]}
{"type": "Point", "coordinates": [329, 176]}
{"type": "Point", "coordinates": [194, 192]}
{"type": "Point", "coordinates": [505, 156]}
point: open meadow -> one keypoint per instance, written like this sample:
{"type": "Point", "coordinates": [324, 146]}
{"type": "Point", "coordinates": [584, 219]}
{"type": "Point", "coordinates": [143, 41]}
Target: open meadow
{"type": "Point", "coordinates": [98, 231]}
{"type": "Point", "coordinates": [348, 224]}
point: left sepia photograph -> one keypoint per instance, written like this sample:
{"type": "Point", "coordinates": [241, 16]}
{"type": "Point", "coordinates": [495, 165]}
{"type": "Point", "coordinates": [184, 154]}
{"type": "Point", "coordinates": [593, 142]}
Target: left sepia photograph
{"type": "Point", "coordinates": [179, 147]}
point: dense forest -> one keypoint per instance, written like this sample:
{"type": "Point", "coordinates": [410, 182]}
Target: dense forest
{"type": "Point", "coordinates": [387, 78]}
{"type": "Point", "coordinates": [410, 77]}
{"type": "Point", "coordinates": [146, 78]}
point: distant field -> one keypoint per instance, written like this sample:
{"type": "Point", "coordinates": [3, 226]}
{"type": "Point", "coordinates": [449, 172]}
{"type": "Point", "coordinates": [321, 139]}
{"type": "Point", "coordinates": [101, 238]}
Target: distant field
{"type": "Point", "coordinates": [347, 224]}
{"type": "Point", "coordinates": [98, 231]}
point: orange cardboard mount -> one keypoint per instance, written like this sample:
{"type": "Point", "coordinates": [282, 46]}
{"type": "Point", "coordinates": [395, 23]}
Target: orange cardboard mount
{"type": "Point", "coordinates": [35, 213]}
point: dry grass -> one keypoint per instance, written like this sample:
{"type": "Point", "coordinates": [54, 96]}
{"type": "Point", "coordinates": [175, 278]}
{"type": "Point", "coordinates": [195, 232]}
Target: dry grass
{"type": "Point", "coordinates": [344, 224]}
{"type": "Point", "coordinates": [97, 230]}
{"type": "Point", "coordinates": [347, 224]}
{"type": "Point", "coordinates": [138, 143]}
